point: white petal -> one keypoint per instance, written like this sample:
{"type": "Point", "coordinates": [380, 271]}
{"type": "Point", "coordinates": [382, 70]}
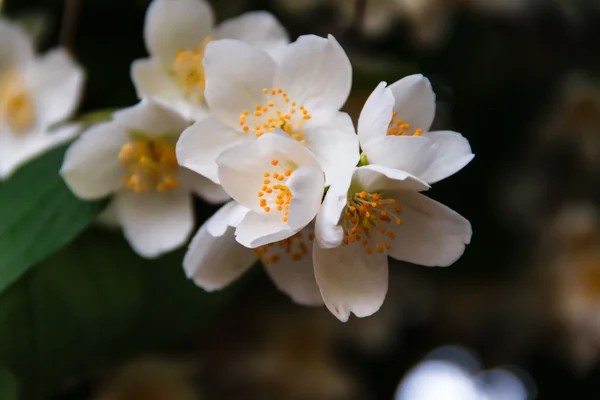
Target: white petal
{"type": "Point", "coordinates": [415, 101]}
{"type": "Point", "coordinates": [376, 114]}
{"type": "Point", "coordinates": [327, 230]}
{"type": "Point", "coordinates": [56, 83]}
{"type": "Point", "coordinates": [205, 188]}
{"type": "Point", "coordinates": [259, 28]}
{"type": "Point", "coordinates": [307, 187]}
{"type": "Point", "coordinates": [155, 223]}
{"type": "Point", "coordinates": [16, 49]}
{"type": "Point", "coordinates": [439, 380]}
{"type": "Point", "coordinates": [316, 73]}
{"type": "Point", "coordinates": [453, 152]}
{"type": "Point", "coordinates": [335, 145]}
{"type": "Point", "coordinates": [236, 74]}
{"type": "Point", "coordinates": [351, 281]}
{"type": "Point", "coordinates": [227, 216]}
{"type": "Point", "coordinates": [257, 230]}
{"type": "Point", "coordinates": [151, 118]}
{"type": "Point", "coordinates": [294, 276]}
{"type": "Point", "coordinates": [431, 234]}
{"type": "Point", "coordinates": [173, 25]}
{"type": "Point", "coordinates": [152, 81]}
{"type": "Point", "coordinates": [214, 262]}
{"type": "Point", "coordinates": [412, 154]}
{"type": "Point", "coordinates": [16, 150]}
{"type": "Point", "coordinates": [201, 144]}
{"type": "Point", "coordinates": [375, 178]}
{"type": "Point", "coordinates": [91, 167]}
{"type": "Point", "coordinates": [109, 217]}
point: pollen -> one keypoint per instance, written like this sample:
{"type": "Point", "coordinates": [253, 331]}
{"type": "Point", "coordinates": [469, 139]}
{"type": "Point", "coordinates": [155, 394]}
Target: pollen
{"type": "Point", "coordinates": [17, 108]}
{"type": "Point", "coordinates": [150, 164]}
{"type": "Point", "coordinates": [188, 71]}
{"type": "Point", "coordinates": [398, 127]}
{"type": "Point", "coordinates": [277, 112]}
{"type": "Point", "coordinates": [275, 194]}
{"type": "Point", "coordinates": [366, 221]}
{"type": "Point", "coordinates": [294, 248]}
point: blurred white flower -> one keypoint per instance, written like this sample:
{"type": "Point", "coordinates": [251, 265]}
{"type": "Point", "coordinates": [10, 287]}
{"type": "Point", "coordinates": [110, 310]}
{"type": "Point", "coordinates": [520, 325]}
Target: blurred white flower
{"type": "Point", "coordinates": [278, 180]}
{"type": "Point", "coordinates": [373, 212]}
{"type": "Point", "coordinates": [251, 94]}
{"type": "Point", "coordinates": [176, 33]}
{"type": "Point", "coordinates": [36, 93]}
{"type": "Point", "coordinates": [393, 130]}
{"type": "Point", "coordinates": [133, 157]}
{"type": "Point", "coordinates": [452, 373]}
{"type": "Point", "coordinates": [215, 259]}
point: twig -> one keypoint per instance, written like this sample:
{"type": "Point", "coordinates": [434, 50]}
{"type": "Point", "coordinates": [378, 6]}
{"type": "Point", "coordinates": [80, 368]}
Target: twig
{"type": "Point", "coordinates": [360, 8]}
{"type": "Point", "coordinates": [69, 23]}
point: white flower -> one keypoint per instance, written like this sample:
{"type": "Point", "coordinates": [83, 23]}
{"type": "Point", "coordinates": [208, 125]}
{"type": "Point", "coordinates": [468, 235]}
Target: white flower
{"type": "Point", "coordinates": [176, 33]}
{"type": "Point", "coordinates": [251, 94]}
{"type": "Point", "coordinates": [215, 259]}
{"type": "Point", "coordinates": [371, 213]}
{"type": "Point", "coordinates": [452, 373]}
{"type": "Point", "coordinates": [36, 92]}
{"type": "Point", "coordinates": [133, 157]}
{"type": "Point", "coordinates": [278, 180]}
{"type": "Point", "coordinates": [393, 130]}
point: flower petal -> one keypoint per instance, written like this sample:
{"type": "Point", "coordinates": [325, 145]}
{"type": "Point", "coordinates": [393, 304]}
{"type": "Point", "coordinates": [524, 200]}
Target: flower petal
{"type": "Point", "coordinates": [375, 178]}
{"type": "Point", "coordinates": [412, 154]}
{"type": "Point", "coordinates": [307, 187]}
{"type": "Point", "coordinates": [16, 49]}
{"type": "Point", "coordinates": [236, 74]}
{"type": "Point", "coordinates": [315, 72]}
{"type": "Point", "coordinates": [91, 167]}
{"type": "Point", "coordinates": [293, 272]}
{"type": "Point", "coordinates": [453, 152]}
{"type": "Point", "coordinates": [155, 223]}
{"type": "Point", "coordinates": [257, 230]}
{"type": "Point", "coordinates": [173, 25]}
{"type": "Point", "coordinates": [211, 192]}
{"type": "Point", "coordinates": [151, 118]}
{"type": "Point", "coordinates": [259, 28]}
{"type": "Point", "coordinates": [350, 280]}
{"type": "Point", "coordinates": [335, 145]}
{"type": "Point", "coordinates": [328, 232]}
{"type": "Point", "coordinates": [431, 234]}
{"type": "Point", "coordinates": [213, 262]}
{"type": "Point", "coordinates": [415, 101]}
{"type": "Point", "coordinates": [199, 146]}
{"type": "Point", "coordinates": [152, 81]}
{"type": "Point", "coordinates": [376, 114]}
{"type": "Point", "coordinates": [229, 215]}
{"type": "Point", "coordinates": [56, 83]}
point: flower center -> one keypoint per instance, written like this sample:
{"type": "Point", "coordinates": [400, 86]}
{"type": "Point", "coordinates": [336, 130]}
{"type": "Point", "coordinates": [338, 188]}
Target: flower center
{"type": "Point", "coordinates": [278, 112]}
{"type": "Point", "coordinates": [399, 128]}
{"type": "Point", "coordinates": [364, 221]}
{"type": "Point", "coordinates": [274, 195]}
{"type": "Point", "coordinates": [17, 109]}
{"type": "Point", "coordinates": [296, 247]}
{"type": "Point", "coordinates": [150, 163]}
{"type": "Point", "coordinates": [188, 71]}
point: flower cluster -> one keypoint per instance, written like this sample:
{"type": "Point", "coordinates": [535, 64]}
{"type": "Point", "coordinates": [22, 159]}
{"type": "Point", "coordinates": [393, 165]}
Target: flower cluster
{"type": "Point", "coordinates": [237, 113]}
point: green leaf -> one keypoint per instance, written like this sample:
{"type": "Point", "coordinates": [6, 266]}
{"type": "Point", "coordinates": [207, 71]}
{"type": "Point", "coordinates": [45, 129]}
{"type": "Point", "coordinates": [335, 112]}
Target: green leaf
{"type": "Point", "coordinates": [38, 215]}
{"type": "Point", "coordinates": [8, 385]}
{"type": "Point", "coordinates": [95, 303]}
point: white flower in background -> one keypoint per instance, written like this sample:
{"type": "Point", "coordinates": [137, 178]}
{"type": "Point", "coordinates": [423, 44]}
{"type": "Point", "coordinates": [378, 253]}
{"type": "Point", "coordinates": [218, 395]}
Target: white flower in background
{"type": "Point", "coordinates": [215, 259]}
{"type": "Point", "coordinates": [250, 94]}
{"type": "Point", "coordinates": [453, 373]}
{"type": "Point", "coordinates": [393, 130]}
{"type": "Point", "coordinates": [133, 157]}
{"type": "Point", "coordinates": [176, 33]}
{"type": "Point", "coordinates": [36, 93]}
{"type": "Point", "coordinates": [372, 213]}
{"type": "Point", "coordinates": [278, 180]}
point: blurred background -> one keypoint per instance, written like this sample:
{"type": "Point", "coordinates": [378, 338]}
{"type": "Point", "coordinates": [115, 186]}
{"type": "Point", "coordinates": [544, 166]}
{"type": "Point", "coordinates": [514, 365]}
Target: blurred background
{"type": "Point", "coordinates": [520, 80]}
